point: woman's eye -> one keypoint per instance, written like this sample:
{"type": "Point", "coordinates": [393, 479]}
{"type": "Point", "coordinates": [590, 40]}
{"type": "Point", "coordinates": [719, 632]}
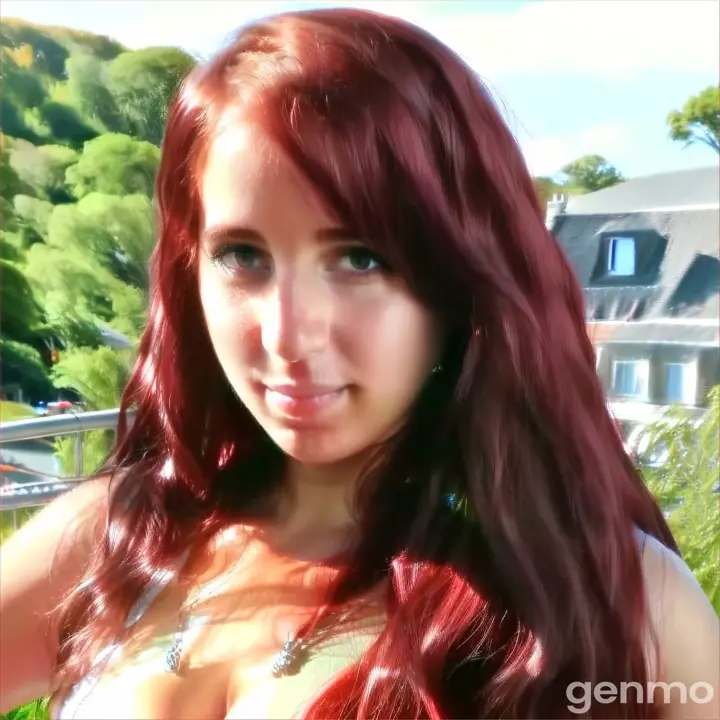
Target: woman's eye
{"type": "Point", "coordinates": [240, 258]}
{"type": "Point", "coordinates": [361, 260]}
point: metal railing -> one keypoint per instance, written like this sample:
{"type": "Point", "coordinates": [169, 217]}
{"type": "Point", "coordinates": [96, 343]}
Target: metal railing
{"type": "Point", "coordinates": [16, 496]}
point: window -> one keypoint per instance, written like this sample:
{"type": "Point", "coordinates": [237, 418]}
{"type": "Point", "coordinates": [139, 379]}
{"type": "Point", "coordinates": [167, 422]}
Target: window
{"type": "Point", "coordinates": [681, 383]}
{"type": "Point", "coordinates": [631, 379]}
{"type": "Point", "coordinates": [621, 256]}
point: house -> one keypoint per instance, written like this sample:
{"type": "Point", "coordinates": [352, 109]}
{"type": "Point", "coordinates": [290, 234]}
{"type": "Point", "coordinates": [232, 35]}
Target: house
{"type": "Point", "coordinates": [646, 252]}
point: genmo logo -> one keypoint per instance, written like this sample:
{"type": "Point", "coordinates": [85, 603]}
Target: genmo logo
{"type": "Point", "coordinates": [582, 694]}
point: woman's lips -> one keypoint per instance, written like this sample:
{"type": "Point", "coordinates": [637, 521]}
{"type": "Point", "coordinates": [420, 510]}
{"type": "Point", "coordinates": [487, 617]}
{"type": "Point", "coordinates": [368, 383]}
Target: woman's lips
{"type": "Point", "coordinates": [302, 402]}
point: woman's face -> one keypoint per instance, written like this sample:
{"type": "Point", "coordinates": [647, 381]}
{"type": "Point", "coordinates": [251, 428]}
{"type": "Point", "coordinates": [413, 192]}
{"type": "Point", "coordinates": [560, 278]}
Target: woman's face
{"type": "Point", "coordinates": [324, 347]}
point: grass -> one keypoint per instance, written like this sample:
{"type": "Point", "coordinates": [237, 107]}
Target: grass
{"type": "Point", "coordinates": [8, 523]}
{"type": "Point", "coordinates": [36, 710]}
{"type": "Point", "coordinates": [14, 411]}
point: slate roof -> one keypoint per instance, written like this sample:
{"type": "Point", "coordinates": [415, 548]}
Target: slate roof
{"type": "Point", "coordinates": [681, 189]}
{"type": "Point", "coordinates": [684, 281]}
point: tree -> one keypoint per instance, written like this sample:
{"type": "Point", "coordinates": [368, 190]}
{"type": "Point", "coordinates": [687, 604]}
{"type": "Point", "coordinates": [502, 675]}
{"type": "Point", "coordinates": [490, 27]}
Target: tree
{"type": "Point", "coordinates": [99, 376]}
{"type": "Point", "coordinates": [65, 124]}
{"type": "Point", "coordinates": [681, 464]}
{"type": "Point", "coordinates": [89, 92]}
{"type": "Point", "coordinates": [22, 365]}
{"type": "Point", "coordinates": [143, 83]}
{"type": "Point", "coordinates": [589, 173]}
{"type": "Point", "coordinates": [20, 85]}
{"type": "Point", "coordinates": [114, 164]}
{"type": "Point", "coordinates": [10, 182]}
{"type": "Point", "coordinates": [33, 215]}
{"type": "Point", "coordinates": [41, 170]}
{"type": "Point", "coordinates": [20, 313]}
{"type": "Point", "coordinates": [699, 120]}
{"type": "Point", "coordinates": [118, 232]}
{"type": "Point", "coordinates": [545, 188]}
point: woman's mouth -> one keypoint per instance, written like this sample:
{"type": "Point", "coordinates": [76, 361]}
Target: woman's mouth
{"type": "Point", "coordinates": [303, 402]}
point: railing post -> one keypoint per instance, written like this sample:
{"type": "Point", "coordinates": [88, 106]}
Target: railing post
{"type": "Point", "coordinates": [25, 494]}
{"type": "Point", "coordinates": [78, 454]}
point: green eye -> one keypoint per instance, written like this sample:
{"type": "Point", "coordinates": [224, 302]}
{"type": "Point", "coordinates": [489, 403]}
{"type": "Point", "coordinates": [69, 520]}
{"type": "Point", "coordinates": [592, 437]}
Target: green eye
{"type": "Point", "coordinates": [361, 260]}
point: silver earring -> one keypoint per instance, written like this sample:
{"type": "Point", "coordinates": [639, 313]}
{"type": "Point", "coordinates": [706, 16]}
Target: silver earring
{"type": "Point", "coordinates": [437, 369]}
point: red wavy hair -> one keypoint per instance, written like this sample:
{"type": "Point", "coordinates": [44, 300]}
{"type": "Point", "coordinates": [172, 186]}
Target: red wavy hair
{"type": "Point", "coordinates": [535, 581]}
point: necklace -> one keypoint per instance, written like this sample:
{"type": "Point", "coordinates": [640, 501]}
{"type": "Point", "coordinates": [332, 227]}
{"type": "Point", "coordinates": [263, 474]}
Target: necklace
{"type": "Point", "coordinates": [291, 657]}
{"type": "Point", "coordinates": [288, 660]}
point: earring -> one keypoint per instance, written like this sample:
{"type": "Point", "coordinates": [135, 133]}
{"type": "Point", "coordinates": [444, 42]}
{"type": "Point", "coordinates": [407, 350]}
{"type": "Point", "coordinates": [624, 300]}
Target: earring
{"type": "Point", "coordinates": [437, 369]}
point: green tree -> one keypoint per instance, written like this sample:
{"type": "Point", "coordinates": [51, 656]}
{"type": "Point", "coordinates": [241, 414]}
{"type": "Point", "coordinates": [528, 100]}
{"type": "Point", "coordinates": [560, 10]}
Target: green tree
{"type": "Point", "coordinates": [114, 164]}
{"type": "Point", "coordinates": [41, 170]}
{"type": "Point", "coordinates": [699, 119]}
{"type": "Point", "coordinates": [10, 182]}
{"type": "Point", "coordinates": [99, 376]}
{"type": "Point", "coordinates": [20, 314]}
{"type": "Point", "coordinates": [588, 174]}
{"type": "Point", "coordinates": [89, 93]}
{"type": "Point", "coordinates": [65, 123]}
{"type": "Point", "coordinates": [22, 364]}
{"type": "Point", "coordinates": [681, 465]}
{"type": "Point", "coordinates": [93, 268]}
{"type": "Point", "coordinates": [33, 215]}
{"type": "Point", "coordinates": [20, 85]}
{"type": "Point", "coordinates": [118, 231]}
{"type": "Point", "coordinates": [143, 83]}
{"type": "Point", "coordinates": [545, 187]}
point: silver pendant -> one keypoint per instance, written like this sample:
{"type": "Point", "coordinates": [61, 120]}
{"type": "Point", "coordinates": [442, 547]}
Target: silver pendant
{"type": "Point", "coordinates": [173, 655]}
{"type": "Point", "coordinates": [289, 659]}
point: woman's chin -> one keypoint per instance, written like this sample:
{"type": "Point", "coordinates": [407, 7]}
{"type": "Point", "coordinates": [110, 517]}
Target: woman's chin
{"type": "Point", "coordinates": [313, 447]}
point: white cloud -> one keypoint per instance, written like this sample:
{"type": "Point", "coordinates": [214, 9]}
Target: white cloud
{"type": "Point", "coordinates": [567, 37]}
{"type": "Point", "coordinates": [546, 155]}
{"type": "Point", "coordinates": [588, 37]}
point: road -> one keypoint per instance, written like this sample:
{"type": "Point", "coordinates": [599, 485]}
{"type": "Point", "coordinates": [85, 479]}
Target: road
{"type": "Point", "coordinates": [36, 455]}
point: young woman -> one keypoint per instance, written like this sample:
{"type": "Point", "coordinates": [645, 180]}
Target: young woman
{"type": "Point", "coordinates": [370, 471]}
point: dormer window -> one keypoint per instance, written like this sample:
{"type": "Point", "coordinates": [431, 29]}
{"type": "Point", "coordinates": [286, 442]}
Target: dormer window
{"type": "Point", "coordinates": [621, 256]}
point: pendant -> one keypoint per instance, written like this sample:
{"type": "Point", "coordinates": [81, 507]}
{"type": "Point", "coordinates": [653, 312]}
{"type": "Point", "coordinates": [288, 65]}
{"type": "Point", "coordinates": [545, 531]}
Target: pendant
{"type": "Point", "coordinates": [173, 655]}
{"type": "Point", "coordinates": [289, 660]}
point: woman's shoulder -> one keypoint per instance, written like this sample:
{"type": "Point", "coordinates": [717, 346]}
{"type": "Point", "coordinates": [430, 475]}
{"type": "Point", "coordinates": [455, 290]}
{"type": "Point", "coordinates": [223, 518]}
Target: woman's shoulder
{"type": "Point", "coordinates": [41, 562]}
{"type": "Point", "coordinates": [685, 628]}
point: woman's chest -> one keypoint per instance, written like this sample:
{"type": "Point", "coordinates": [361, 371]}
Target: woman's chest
{"type": "Point", "coordinates": [229, 676]}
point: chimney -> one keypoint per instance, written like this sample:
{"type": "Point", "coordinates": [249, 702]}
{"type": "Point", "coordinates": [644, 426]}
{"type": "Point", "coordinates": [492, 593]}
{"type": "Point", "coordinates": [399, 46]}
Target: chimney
{"type": "Point", "coordinates": [555, 207]}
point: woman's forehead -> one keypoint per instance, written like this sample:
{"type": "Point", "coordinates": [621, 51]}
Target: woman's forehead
{"type": "Point", "coordinates": [246, 178]}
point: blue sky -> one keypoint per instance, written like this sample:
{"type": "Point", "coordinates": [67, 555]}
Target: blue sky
{"type": "Point", "coordinates": [572, 76]}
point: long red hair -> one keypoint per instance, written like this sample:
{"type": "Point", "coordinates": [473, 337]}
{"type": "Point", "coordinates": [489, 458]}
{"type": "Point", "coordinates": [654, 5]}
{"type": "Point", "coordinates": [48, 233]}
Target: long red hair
{"type": "Point", "coordinates": [530, 579]}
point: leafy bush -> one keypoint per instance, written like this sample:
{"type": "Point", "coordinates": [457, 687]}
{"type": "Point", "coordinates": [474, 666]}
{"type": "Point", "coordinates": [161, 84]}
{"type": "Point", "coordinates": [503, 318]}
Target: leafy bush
{"type": "Point", "coordinates": [680, 464]}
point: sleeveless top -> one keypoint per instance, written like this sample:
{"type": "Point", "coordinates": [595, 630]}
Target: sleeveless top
{"type": "Point", "coordinates": [288, 697]}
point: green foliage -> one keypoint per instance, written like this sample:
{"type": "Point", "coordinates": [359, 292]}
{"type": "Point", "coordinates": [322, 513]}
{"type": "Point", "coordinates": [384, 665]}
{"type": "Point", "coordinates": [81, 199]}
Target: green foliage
{"type": "Point", "coordinates": [21, 364]}
{"type": "Point", "coordinates": [89, 92]}
{"type": "Point", "coordinates": [43, 169]}
{"type": "Point", "coordinates": [65, 123]}
{"type": "Point", "coordinates": [99, 376]}
{"type": "Point", "coordinates": [143, 82]}
{"type": "Point", "coordinates": [114, 164]}
{"type": "Point", "coordinates": [13, 123]}
{"type": "Point", "coordinates": [681, 465]}
{"type": "Point", "coordinates": [588, 174]}
{"type": "Point", "coordinates": [20, 86]}
{"type": "Point", "coordinates": [545, 188]}
{"type": "Point", "coordinates": [10, 182]}
{"type": "Point", "coordinates": [699, 119]}
{"type": "Point", "coordinates": [34, 215]}
{"type": "Point", "coordinates": [19, 311]}
{"type": "Point", "coordinates": [37, 710]}
{"type": "Point", "coordinates": [14, 411]}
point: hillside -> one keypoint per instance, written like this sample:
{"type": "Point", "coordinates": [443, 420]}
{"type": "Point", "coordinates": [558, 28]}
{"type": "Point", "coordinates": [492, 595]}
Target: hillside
{"type": "Point", "coordinates": [81, 124]}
